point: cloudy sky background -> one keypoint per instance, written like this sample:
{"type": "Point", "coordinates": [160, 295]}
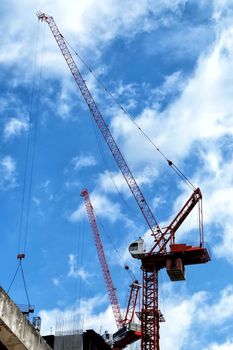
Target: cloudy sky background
{"type": "Point", "coordinates": [170, 64]}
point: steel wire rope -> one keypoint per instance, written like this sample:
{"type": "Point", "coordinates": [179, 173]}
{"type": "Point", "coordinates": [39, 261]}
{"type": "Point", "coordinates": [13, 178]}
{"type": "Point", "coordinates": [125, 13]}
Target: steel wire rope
{"type": "Point", "coordinates": [24, 282]}
{"type": "Point", "coordinates": [162, 298]}
{"type": "Point", "coordinates": [13, 279]}
{"type": "Point", "coordinates": [127, 296]}
{"type": "Point", "coordinates": [126, 267]}
{"type": "Point", "coordinates": [78, 286]}
{"type": "Point", "coordinates": [76, 244]}
{"type": "Point", "coordinates": [31, 172]}
{"type": "Point", "coordinates": [23, 278]}
{"type": "Point", "coordinates": [34, 137]}
{"type": "Point", "coordinates": [24, 189]}
{"type": "Point", "coordinates": [82, 256]}
{"type": "Point", "coordinates": [25, 176]}
{"type": "Point", "coordinates": [76, 282]}
{"type": "Point", "coordinates": [30, 161]}
{"type": "Point", "coordinates": [170, 163]}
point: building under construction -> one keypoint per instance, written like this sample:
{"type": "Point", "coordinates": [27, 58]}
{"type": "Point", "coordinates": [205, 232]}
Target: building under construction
{"type": "Point", "coordinates": [18, 333]}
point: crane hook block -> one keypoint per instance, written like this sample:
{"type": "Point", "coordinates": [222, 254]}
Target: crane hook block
{"type": "Point", "coordinates": [21, 256]}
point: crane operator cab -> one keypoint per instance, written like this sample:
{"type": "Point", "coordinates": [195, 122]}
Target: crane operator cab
{"type": "Point", "coordinates": [137, 248]}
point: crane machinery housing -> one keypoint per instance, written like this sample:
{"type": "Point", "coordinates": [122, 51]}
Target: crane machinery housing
{"type": "Point", "coordinates": [165, 251]}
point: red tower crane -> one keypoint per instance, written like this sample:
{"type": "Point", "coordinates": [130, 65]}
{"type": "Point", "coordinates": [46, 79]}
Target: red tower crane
{"type": "Point", "coordinates": [127, 332]}
{"type": "Point", "coordinates": [165, 253]}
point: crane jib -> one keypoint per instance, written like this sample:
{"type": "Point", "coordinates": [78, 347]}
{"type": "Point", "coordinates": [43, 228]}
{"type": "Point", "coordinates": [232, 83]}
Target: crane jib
{"type": "Point", "coordinates": [130, 310]}
{"type": "Point", "coordinates": [102, 259]}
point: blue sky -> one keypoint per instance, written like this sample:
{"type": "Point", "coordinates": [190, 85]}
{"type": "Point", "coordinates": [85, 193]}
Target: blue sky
{"type": "Point", "coordinates": [170, 65]}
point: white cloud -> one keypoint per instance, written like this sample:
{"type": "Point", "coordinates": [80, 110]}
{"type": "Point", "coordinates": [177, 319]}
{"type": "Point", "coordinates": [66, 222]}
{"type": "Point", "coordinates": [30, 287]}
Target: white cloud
{"type": "Point", "coordinates": [172, 85]}
{"type": "Point", "coordinates": [55, 281]}
{"type": "Point", "coordinates": [203, 110]}
{"type": "Point", "coordinates": [220, 311]}
{"type": "Point", "coordinates": [8, 165]}
{"type": "Point", "coordinates": [14, 127]}
{"type": "Point", "coordinates": [216, 179]}
{"type": "Point", "coordinates": [74, 271]}
{"type": "Point", "coordinates": [84, 317]}
{"type": "Point", "coordinates": [7, 172]}
{"type": "Point", "coordinates": [102, 205]}
{"type": "Point", "coordinates": [197, 315]}
{"type": "Point", "coordinates": [176, 327]}
{"type": "Point", "coordinates": [128, 92]}
{"type": "Point", "coordinates": [98, 20]}
{"type": "Point", "coordinates": [112, 182]}
{"type": "Point", "coordinates": [72, 184]}
{"type": "Point", "coordinates": [78, 214]}
{"type": "Point", "coordinates": [228, 345]}
{"type": "Point", "coordinates": [83, 161]}
{"type": "Point", "coordinates": [11, 52]}
{"type": "Point", "coordinates": [222, 11]}
{"type": "Point", "coordinates": [36, 201]}
{"type": "Point", "coordinates": [91, 24]}
{"type": "Point", "coordinates": [83, 274]}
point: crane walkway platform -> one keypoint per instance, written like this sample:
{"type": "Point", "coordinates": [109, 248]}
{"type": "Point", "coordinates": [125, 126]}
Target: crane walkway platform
{"type": "Point", "coordinates": [16, 332]}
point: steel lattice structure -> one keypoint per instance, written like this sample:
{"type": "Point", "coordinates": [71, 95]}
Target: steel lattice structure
{"type": "Point", "coordinates": [150, 321]}
{"type": "Point", "coordinates": [103, 261]}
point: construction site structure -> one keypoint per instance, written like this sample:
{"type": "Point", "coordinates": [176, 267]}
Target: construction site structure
{"type": "Point", "coordinates": [88, 340]}
{"type": "Point", "coordinates": [128, 332]}
{"type": "Point", "coordinates": [16, 331]}
{"type": "Point", "coordinates": [165, 252]}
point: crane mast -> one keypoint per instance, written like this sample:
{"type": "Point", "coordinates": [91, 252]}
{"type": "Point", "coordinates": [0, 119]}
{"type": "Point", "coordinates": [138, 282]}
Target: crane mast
{"type": "Point", "coordinates": [158, 257]}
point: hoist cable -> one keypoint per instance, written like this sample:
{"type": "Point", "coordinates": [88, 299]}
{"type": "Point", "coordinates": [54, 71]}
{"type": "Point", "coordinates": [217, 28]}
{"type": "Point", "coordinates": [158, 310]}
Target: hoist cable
{"type": "Point", "coordinates": [34, 136]}
{"type": "Point", "coordinates": [170, 163]}
{"type": "Point", "coordinates": [24, 283]}
{"type": "Point", "coordinates": [24, 194]}
{"type": "Point", "coordinates": [13, 279]}
{"type": "Point", "coordinates": [23, 277]}
{"type": "Point", "coordinates": [24, 213]}
{"type": "Point", "coordinates": [126, 267]}
{"type": "Point", "coordinates": [28, 169]}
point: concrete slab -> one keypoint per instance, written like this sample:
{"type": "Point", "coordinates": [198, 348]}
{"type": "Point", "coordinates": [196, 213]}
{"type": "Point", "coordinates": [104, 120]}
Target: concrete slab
{"type": "Point", "coordinates": [16, 332]}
